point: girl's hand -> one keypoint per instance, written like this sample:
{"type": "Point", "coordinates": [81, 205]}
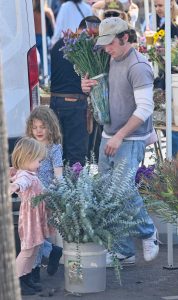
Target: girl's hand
{"type": "Point", "coordinates": [87, 84]}
{"type": "Point", "coordinates": [14, 187]}
{"type": "Point", "coordinates": [12, 171]}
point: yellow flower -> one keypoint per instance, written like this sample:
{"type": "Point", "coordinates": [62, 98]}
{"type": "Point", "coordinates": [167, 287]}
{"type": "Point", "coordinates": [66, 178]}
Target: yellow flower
{"type": "Point", "coordinates": [161, 33]}
{"type": "Point", "coordinates": [155, 37]}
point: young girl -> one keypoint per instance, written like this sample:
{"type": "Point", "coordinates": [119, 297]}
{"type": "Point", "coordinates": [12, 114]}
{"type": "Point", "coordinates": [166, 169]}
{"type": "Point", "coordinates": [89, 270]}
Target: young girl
{"type": "Point", "coordinates": [33, 228]}
{"type": "Point", "coordinates": [43, 125]}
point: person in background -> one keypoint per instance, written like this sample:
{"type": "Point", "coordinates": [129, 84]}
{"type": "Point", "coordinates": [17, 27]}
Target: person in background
{"type": "Point", "coordinates": [160, 16]}
{"type": "Point", "coordinates": [69, 17]}
{"type": "Point", "coordinates": [32, 225]}
{"type": "Point", "coordinates": [101, 6]}
{"type": "Point", "coordinates": [132, 10]}
{"type": "Point", "coordinates": [50, 23]}
{"type": "Point", "coordinates": [55, 6]}
{"type": "Point", "coordinates": [131, 108]}
{"type": "Point", "coordinates": [43, 126]}
{"type": "Point", "coordinates": [69, 102]}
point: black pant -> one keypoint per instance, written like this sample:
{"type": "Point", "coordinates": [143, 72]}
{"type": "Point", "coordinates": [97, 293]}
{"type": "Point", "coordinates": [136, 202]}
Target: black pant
{"type": "Point", "coordinates": [73, 121]}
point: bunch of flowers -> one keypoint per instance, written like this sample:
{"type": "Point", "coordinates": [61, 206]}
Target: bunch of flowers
{"type": "Point", "coordinates": [144, 172]}
{"type": "Point", "coordinates": [157, 51]}
{"type": "Point", "coordinates": [79, 49]}
{"type": "Point", "coordinates": [161, 191]}
{"type": "Point", "coordinates": [159, 36]}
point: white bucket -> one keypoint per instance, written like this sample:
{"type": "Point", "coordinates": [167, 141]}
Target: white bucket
{"type": "Point", "coordinates": [175, 97]}
{"type": "Point", "coordinates": [92, 277]}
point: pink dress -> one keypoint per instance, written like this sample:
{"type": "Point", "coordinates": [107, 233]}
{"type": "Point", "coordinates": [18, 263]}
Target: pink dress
{"type": "Point", "coordinates": [33, 227]}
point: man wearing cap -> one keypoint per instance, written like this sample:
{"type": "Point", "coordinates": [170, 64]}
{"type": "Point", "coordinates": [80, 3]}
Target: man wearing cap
{"type": "Point", "coordinates": [131, 108]}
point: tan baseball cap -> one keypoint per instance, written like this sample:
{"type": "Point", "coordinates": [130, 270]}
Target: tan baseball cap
{"type": "Point", "coordinates": [108, 29]}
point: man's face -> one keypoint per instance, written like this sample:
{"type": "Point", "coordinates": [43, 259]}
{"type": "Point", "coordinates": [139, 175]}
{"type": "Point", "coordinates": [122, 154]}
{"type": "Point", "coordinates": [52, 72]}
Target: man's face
{"type": "Point", "coordinates": [160, 8]}
{"type": "Point", "coordinates": [115, 49]}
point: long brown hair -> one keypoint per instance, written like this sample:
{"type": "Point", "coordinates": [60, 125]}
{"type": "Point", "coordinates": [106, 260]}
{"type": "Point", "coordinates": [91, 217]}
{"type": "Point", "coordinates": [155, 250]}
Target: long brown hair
{"type": "Point", "coordinates": [49, 119]}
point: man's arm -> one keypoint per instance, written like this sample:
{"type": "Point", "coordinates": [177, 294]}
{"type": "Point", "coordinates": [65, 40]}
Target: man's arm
{"type": "Point", "coordinates": [144, 108]}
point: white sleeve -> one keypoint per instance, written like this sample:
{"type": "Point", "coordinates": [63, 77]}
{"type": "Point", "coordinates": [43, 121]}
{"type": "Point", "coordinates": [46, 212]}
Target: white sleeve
{"type": "Point", "coordinates": [24, 182]}
{"type": "Point", "coordinates": [144, 102]}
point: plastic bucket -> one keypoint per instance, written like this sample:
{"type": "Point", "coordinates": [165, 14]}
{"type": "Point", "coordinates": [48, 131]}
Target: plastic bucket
{"type": "Point", "coordinates": [92, 275]}
{"type": "Point", "coordinates": [175, 97]}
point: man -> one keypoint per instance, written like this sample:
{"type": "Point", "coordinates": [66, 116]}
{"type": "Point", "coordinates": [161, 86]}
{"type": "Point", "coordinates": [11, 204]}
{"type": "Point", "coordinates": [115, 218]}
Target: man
{"type": "Point", "coordinates": [131, 107]}
{"type": "Point", "coordinates": [69, 102]}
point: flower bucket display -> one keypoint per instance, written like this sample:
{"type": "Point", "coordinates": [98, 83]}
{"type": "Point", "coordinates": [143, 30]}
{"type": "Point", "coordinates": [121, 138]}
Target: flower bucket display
{"type": "Point", "coordinates": [85, 267]}
{"type": "Point", "coordinates": [100, 99]}
{"type": "Point", "coordinates": [91, 211]}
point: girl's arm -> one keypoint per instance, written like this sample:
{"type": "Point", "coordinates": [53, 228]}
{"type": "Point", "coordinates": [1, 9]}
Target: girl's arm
{"type": "Point", "coordinates": [57, 161]}
{"type": "Point", "coordinates": [14, 187]}
{"type": "Point", "coordinates": [22, 181]}
{"type": "Point", "coordinates": [58, 172]}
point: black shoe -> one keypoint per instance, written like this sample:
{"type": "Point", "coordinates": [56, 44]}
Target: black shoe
{"type": "Point", "coordinates": [54, 258]}
{"type": "Point", "coordinates": [28, 281]}
{"type": "Point", "coordinates": [36, 275]}
{"type": "Point", "coordinates": [25, 289]}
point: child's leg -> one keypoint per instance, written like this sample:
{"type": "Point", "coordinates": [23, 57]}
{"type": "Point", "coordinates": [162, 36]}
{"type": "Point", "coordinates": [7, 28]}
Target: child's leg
{"type": "Point", "coordinates": [25, 260]}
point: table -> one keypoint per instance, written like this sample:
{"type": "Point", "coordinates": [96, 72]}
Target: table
{"type": "Point", "coordinates": [157, 145]}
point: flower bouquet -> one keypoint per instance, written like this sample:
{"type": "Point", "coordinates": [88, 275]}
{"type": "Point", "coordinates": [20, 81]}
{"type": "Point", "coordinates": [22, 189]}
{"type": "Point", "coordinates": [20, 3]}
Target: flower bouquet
{"type": "Point", "coordinates": [157, 51]}
{"type": "Point", "coordinates": [80, 50]}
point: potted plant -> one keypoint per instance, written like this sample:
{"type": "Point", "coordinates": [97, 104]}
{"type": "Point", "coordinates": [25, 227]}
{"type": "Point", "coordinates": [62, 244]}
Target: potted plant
{"type": "Point", "coordinates": [91, 211]}
{"type": "Point", "coordinates": [160, 190]}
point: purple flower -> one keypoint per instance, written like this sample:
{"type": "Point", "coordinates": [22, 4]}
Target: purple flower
{"type": "Point", "coordinates": [77, 168]}
{"type": "Point", "coordinates": [144, 171]}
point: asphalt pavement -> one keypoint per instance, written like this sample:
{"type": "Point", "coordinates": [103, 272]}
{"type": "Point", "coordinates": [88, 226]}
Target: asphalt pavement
{"type": "Point", "coordinates": [143, 281]}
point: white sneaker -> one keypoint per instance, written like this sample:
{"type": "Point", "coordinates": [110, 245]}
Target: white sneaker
{"type": "Point", "coordinates": [151, 247]}
{"type": "Point", "coordinates": [124, 260]}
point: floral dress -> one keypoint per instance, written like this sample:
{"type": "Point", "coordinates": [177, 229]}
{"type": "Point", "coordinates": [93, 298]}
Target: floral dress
{"type": "Point", "coordinates": [52, 160]}
{"type": "Point", "coordinates": [32, 227]}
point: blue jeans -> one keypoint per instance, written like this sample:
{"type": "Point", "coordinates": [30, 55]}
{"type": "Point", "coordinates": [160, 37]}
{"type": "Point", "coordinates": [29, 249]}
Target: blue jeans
{"type": "Point", "coordinates": [44, 250]}
{"type": "Point", "coordinates": [133, 153]}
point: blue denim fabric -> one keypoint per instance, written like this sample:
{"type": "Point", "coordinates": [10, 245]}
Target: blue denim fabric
{"type": "Point", "coordinates": [72, 117]}
{"type": "Point", "coordinates": [44, 250]}
{"type": "Point", "coordinates": [133, 153]}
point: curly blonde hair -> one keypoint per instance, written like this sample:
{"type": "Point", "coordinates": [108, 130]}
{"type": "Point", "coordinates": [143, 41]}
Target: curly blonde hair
{"type": "Point", "coordinates": [27, 150]}
{"type": "Point", "coordinates": [49, 119]}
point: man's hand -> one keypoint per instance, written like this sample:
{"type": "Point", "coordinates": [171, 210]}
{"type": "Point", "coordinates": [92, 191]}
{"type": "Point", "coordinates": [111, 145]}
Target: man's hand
{"type": "Point", "coordinates": [87, 84]}
{"type": "Point", "coordinates": [113, 145]}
